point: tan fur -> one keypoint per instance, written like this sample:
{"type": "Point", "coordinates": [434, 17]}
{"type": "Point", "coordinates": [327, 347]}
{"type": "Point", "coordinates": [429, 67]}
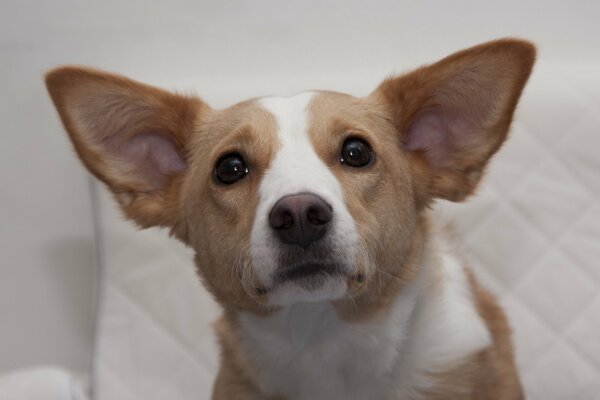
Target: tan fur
{"type": "Point", "coordinates": [507, 62]}
{"type": "Point", "coordinates": [368, 193]}
{"type": "Point", "coordinates": [210, 206]}
{"type": "Point", "coordinates": [236, 378]}
{"type": "Point", "coordinates": [388, 200]}
{"type": "Point", "coordinates": [490, 374]}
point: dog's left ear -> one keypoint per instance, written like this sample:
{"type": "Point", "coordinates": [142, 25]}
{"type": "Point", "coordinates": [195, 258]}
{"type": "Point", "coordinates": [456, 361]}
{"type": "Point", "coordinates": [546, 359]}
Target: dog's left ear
{"type": "Point", "coordinates": [456, 113]}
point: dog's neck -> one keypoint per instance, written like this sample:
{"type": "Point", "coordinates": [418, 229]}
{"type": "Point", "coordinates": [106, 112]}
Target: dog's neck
{"type": "Point", "coordinates": [309, 351]}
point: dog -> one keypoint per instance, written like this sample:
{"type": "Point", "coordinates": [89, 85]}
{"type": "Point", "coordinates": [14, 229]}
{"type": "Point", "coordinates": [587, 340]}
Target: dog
{"type": "Point", "coordinates": [311, 224]}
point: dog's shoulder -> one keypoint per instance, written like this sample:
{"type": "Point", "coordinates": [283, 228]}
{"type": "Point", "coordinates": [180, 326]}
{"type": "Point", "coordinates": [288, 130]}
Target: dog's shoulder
{"type": "Point", "coordinates": [489, 373]}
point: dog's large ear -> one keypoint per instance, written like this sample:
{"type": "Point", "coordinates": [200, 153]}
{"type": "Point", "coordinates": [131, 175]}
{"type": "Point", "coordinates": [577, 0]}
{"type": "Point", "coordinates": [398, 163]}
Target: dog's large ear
{"type": "Point", "coordinates": [456, 113]}
{"type": "Point", "coordinates": [131, 136]}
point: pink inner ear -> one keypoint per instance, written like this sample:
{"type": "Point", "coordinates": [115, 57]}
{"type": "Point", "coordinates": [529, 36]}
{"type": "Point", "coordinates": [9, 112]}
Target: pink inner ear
{"type": "Point", "coordinates": [431, 134]}
{"type": "Point", "coordinates": [153, 156]}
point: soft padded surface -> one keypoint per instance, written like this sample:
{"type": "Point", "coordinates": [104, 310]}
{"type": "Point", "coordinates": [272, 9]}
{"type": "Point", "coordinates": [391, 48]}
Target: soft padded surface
{"type": "Point", "coordinates": [533, 233]}
{"type": "Point", "coordinates": [42, 383]}
{"type": "Point", "coordinates": [154, 337]}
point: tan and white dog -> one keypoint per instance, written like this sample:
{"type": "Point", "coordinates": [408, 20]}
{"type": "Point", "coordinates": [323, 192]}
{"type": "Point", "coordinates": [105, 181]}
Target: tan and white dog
{"type": "Point", "coordinates": [309, 216]}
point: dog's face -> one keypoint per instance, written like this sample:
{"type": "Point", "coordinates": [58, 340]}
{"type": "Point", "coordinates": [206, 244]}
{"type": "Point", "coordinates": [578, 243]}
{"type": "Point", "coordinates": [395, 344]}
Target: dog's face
{"type": "Point", "coordinates": [304, 198]}
{"type": "Point", "coordinates": [291, 196]}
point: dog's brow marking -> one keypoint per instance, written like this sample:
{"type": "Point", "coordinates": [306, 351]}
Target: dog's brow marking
{"type": "Point", "coordinates": [296, 166]}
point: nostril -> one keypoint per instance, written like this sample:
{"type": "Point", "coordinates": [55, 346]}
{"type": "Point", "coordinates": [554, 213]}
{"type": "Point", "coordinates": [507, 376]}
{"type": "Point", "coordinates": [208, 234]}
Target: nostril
{"type": "Point", "coordinates": [318, 214]}
{"type": "Point", "coordinates": [281, 219]}
{"type": "Point", "coordinates": [287, 220]}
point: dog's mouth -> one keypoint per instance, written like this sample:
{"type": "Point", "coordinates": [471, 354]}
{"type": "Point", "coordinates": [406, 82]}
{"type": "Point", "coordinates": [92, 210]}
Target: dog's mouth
{"type": "Point", "coordinates": [309, 271]}
{"type": "Point", "coordinates": [309, 275]}
{"type": "Point", "coordinates": [306, 282]}
{"type": "Point", "coordinates": [317, 280]}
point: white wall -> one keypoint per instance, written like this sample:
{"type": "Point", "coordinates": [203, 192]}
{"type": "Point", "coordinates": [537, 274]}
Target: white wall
{"type": "Point", "coordinates": [226, 51]}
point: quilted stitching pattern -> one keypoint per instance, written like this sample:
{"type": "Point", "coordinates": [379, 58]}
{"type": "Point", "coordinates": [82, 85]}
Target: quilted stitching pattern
{"type": "Point", "coordinates": [533, 233]}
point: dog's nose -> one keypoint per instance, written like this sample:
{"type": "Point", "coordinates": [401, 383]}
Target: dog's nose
{"type": "Point", "coordinates": [300, 219]}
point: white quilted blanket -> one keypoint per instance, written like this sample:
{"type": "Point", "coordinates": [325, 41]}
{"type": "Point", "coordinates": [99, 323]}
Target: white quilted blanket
{"type": "Point", "coordinates": [533, 232]}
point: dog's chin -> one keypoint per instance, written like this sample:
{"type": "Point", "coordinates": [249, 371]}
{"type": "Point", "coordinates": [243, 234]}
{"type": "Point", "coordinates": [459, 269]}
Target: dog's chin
{"type": "Point", "coordinates": [308, 290]}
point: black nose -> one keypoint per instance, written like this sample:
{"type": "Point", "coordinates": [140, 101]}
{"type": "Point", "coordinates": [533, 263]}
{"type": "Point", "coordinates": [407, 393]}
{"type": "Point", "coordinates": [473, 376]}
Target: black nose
{"type": "Point", "coordinates": [300, 219]}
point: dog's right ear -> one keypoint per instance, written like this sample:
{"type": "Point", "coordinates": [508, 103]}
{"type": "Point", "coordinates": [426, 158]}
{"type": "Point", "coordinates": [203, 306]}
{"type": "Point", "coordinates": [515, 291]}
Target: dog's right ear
{"type": "Point", "coordinates": [131, 136]}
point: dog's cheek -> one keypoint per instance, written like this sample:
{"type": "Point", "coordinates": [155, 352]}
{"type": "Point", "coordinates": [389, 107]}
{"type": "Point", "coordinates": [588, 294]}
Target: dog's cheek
{"type": "Point", "coordinates": [363, 198]}
{"type": "Point", "coordinates": [394, 213]}
{"type": "Point", "coordinates": [220, 238]}
{"type": "Point", "coordinates": [220, 261]}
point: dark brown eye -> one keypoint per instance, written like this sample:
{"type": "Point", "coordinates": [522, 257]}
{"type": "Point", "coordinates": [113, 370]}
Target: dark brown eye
{"type": "Point", "coordinates": [356, 153]}
{"type": "Point", "coordinates": [230, 169]}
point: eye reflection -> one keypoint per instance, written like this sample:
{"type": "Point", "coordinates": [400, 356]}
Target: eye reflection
{"type": "Point", "coordinates": [356, 153]}
{"type": "Point", "coordinates": [230, 169]}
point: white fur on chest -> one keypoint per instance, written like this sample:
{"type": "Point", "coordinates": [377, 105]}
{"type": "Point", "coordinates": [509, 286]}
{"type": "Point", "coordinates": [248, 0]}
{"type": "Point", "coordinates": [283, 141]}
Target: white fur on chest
{"type": "Point", "coordinates": [306, 352]}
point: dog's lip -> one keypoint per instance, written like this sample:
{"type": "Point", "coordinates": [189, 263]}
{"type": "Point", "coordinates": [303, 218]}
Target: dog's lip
{"type": "Point", "coordinates": [304, 270]}
{"type": "Point", "coordinates": [307, 269]}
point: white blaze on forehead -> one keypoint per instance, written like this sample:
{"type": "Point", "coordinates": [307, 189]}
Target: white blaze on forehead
{"type": "Point", "coordinates": [296, 168]}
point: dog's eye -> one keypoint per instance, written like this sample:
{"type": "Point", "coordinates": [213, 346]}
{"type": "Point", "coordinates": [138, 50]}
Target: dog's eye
{"type": "Point", "coordinates": [356, 153]}
{"type": "Point", "coordinates": [230, 169]}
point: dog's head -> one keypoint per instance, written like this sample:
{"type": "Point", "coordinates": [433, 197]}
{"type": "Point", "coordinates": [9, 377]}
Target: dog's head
{"type": "Point", "coordinates": [303, 198]}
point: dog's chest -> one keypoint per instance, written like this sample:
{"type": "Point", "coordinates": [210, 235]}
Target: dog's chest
{"type": "Point", "coordinates": [307, 352]}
